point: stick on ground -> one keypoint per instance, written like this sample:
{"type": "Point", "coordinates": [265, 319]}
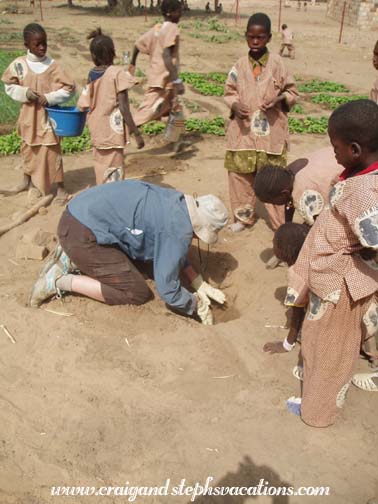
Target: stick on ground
{"type": "Point", "coordinates": [45, 201]}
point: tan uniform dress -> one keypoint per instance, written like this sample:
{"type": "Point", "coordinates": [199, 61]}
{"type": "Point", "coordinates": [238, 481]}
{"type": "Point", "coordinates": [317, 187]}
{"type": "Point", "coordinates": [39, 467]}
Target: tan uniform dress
{"type": "Point", "coordinates": [341, 288]}
{"type": "Point", "coordinates": [262, 138]}
{"type": "Point", "coordinates": [374, 92]}
{"type": "Point", "coordinates": [158, 100]}
{"type": "Point", "coordinates": [287, 43]}
{"type": "Point", "coordinates": [313, 183]}
{"type": "Point", "coordinates": [40, 149]}
{"type": "Point", "coordinates": [105, 121]}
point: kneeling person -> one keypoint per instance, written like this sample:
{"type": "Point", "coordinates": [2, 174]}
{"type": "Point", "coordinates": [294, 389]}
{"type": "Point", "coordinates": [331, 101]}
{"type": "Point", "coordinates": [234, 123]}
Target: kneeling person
{"type": "Point", "coordinates": [107, 226]}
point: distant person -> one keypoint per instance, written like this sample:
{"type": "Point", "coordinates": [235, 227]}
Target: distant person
{"type": "Point", "coordinates": [259, 92]}
{"type": "Point", "coordinates": [305, 6]}
{"type": "Point", "coordinates": [299, 5]}
{"type": "Point", "coordinates": [106, 96]}
{"type": "Point", "coordinates": [374, 90]}
{"type": "Point", "coordinates": [208, 8]}
{"type": "Point", "coordinates": [287, 41]}
{"type": "Point", "coordinates": [37, 81]}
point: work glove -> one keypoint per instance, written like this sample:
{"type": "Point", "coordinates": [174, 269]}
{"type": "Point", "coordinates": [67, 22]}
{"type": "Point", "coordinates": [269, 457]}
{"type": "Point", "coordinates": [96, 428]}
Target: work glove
{"type": "Point", "coordinates": [32, 95]}
{"type": "Point", "coordinates": [206, 290]}
{"type": "Point", "coordinates": [203, 309]}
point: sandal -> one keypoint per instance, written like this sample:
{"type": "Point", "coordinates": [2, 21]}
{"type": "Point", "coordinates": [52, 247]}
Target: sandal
{"type": "Point", "coordinates": [366, 381]}
{"type": "Point", "coordinates": [298, 372]}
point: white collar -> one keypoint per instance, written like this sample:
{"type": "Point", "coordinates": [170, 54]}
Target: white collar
{"type": "Point", "coordinates": [32, 57]}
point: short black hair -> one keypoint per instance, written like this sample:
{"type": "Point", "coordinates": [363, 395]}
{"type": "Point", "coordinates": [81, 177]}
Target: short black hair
{"type": "Point", "coordinates": [33, 29]}
{"type": "Point", "coordinates": [270, 181]}
{"type": "Point", "coordinates": [289, 239]}
{"type": "Point", "coordinates": [356, 121]}
{"type": "Point", "coordinates": [101, 47]}
{"type": "Point", "coordinates": [260, 19]}
{"type": "Point", "coordinates": [284, 26]}
{"type": "Point", "coordinates": [168, 6]}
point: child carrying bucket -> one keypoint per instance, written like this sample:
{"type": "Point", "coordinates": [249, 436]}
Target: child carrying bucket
{"type": "Point", "coordinates": [106, 96]}
{"type": "Point", "coordinates": [36, 81]}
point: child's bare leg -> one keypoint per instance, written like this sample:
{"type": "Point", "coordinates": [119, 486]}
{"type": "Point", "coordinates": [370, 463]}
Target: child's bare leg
{"type": "Point", "coordinates": [62, 196]}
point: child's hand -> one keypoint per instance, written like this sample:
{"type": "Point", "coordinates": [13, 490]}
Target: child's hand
{"type": "Point", "coordinates": [241, 111]}
{"type": "Point", "coordinates": [42, 100]}
{"type": "Point", "coordinates": [32, 95]}
{"type": "Point", "coordinates": [265, 106]}
{"type": "Point", "coordinates": [139, 139]}
{"type": "Point", "coordinates": [179, 88]}
{"type": "Point", "coordinates": [274, 347]}
{"type": "Point", "coordinates": [131, 69]}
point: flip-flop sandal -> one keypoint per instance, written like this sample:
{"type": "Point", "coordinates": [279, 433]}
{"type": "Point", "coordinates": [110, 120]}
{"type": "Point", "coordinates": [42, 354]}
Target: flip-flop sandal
{"type": "Point", "coordinates": [298, 372]}
{"type": "Point", "coordinates": [273, 263]}
{"type": "Point", "coordinates": [366, 381]}
{"type": "Point", "coordinates": [244, 214]}
{"type": "Point", "coordinates": [294, 404]}
{"type": "Point", "coordinates": [341, 396]}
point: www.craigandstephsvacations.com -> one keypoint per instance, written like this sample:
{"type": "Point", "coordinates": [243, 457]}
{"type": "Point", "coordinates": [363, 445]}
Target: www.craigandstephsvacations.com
{"type": "Point", "coordinates": [184, 489]}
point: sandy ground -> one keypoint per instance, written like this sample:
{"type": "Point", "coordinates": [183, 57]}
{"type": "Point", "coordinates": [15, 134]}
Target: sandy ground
{"type": "Point", "coordinates": [110, 395]}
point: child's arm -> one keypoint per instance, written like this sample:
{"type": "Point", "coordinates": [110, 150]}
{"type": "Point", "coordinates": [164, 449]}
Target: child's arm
{"type": "Point", "coordinates": [172, 68]}
{"type": "Point", "coordinates": [296, 321]}
{"type": "Point", "coordinates": [131, 67]}
{"type": "Point", "coordinates": [124, 107]}
{"type": "Point", "coordinates": [288, 94]}
{"type": "Point", "coordinates": [231, 96]}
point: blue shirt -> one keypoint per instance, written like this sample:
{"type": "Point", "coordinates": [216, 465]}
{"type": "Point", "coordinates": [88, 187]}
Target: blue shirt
{"type": "Point", "coordinates": [149, 223]}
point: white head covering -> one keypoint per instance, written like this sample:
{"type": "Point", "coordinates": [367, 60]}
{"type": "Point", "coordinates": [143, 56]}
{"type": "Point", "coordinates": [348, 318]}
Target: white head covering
{"type": "Point", "coordinates": [208, 216]}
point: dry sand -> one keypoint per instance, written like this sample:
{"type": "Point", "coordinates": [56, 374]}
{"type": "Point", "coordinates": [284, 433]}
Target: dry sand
{"type": "Point", "coordinates": [116, 394]}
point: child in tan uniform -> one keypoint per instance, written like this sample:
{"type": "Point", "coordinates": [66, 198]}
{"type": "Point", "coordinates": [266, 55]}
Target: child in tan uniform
{"type": "Point", "coordinates": [36, 81]}
{"type": "Point", "coordinates": [259, 91]}
{"type": "Point", "coordinates": [336, 271]}
{"type": "Point", "coordinates": [106, 96]}
{"type": "Point", "coordinates": [287, 41]}
{"type": "Point", "coordinates": [161, 43]}
{"type": "Point", "coordinates": [304, 185]}
{"type": "Point", "coordinates": [374, 90]}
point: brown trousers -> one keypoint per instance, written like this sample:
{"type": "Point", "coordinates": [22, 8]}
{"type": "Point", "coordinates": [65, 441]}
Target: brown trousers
{"type": "Point", "coordinates": [243, 196]}
{"type": "Point", "coordinates": [121, 282]}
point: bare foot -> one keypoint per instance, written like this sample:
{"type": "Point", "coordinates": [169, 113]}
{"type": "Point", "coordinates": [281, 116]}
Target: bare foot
{"type": "Point", "coordinates": [33, 195]}
{"type": "Point", "coordinates": [62, 196]}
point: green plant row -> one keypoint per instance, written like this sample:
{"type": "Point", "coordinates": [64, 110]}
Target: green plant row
{"type": "Point", "coordinates": [317, 125]}
{"type": "Point", "coordinates": [202, 83]}
{"type": "Point", "coordinates": [213, 126]}
{"type": "Point", "coordinates": [11, 144]}
{"type": "Point", "coordinates": [332, 102]}
{"type": "Point", "coordinates": [317, 86]}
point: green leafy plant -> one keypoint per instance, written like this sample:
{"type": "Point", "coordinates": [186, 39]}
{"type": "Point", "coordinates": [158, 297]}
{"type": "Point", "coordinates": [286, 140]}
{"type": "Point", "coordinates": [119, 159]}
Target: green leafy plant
{"type": "Point", "coordinates": [9, 109]}
{"type": "Point", "coordinates": [213, 126]}
{"type": "Point", "coordinates": [332, 102]}
{"type": "Point", "coordinates": [202, 83]}
{"type": "Point", "coordinates": [317, 86]}
{"type": "Point", "coordinates": [297, 109]}
{"type": "Point", "coordinates": [71, 145]}
{"type": "Point", "coordinates": [315, 125]}
{"type": "Point", "coordinates": [11, 144]}
{"type": "Point", "coordinates": [153, 128]}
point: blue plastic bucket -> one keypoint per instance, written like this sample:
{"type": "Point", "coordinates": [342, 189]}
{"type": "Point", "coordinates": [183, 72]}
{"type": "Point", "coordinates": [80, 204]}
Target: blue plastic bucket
{"type": "Point", "coordinates": [66, 121]}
